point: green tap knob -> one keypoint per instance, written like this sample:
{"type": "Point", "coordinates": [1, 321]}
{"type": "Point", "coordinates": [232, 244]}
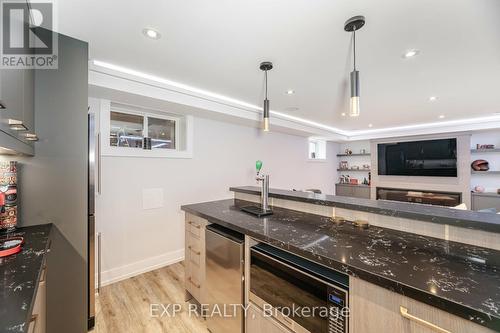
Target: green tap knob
{"type": "Point", "coordinates": [258, 165]}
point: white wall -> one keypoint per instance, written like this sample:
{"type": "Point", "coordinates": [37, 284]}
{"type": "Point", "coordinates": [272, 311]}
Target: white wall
{"type": "Point", "coordinates": [490, 182]}
{"type": "Point", "coordinates": [135, 240]}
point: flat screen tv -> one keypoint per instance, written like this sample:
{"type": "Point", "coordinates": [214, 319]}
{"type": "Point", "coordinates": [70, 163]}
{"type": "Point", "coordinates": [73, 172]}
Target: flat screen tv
{"type": "Point", "coordinates": [435, 158]}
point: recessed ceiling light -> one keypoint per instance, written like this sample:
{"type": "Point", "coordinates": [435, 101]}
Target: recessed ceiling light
{"type": "Point", "coordinates": [370, 125]}
{"type": "Point", "coordinates": [290, 92]}
{"type": "Point", "coordinates": [441, 116]}
{"type": "Point", "coordinates": [432, 98]}
{"type": "Point", "coordinates": [411, 53]}
{"type": "Point", "coordinates": [343, 114]}
{"type": "Point", "coordinates": [151, 33]}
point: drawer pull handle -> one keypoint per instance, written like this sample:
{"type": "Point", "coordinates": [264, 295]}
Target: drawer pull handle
{"type": "Point", "coordinates": [194, 284]}
{"type": "Point", "coordinates": [405, 314]}
{"type": "Point", "coordinates": [195, 252]}
{"type": "Point", "coordinates": [197, 226]}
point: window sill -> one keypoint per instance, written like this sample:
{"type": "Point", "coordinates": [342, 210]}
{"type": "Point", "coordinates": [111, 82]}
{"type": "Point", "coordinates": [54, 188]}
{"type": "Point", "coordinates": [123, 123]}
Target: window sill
{"type": "Point", "coordinates": [155, 153]}
{"type": "Point", "coordinates": [317, 160]}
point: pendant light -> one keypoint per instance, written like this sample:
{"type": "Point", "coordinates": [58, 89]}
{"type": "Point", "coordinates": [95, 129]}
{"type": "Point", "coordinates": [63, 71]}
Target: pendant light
{"type": "Point", "coordinates": [352, 25]}
{"type": "Point", "coordinates": [266, 66]}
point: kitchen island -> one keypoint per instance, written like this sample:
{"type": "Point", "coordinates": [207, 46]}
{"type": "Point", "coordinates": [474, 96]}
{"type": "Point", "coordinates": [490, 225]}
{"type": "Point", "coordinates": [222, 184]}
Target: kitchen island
{"type": "Point", "coordinates": [459, 279]}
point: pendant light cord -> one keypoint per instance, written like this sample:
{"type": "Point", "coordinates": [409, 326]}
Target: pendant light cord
{"type": "Point", "coordinates": [266, 81]}
{"type": "Point", "coordinates": [354, 46]}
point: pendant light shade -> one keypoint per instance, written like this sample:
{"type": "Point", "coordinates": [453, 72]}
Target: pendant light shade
{"type": "Point", "coordinates": [352, 25]}
{"type": "Point", "coordinates": [354, 107]}
{"type": "Point", "coordinates": [266, 66]}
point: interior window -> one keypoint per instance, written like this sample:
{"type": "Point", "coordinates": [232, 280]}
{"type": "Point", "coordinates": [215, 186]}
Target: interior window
{"type": "Point", "coordinates": [162, 133]}
{"type": "Point", "coordinates": [126, 130]}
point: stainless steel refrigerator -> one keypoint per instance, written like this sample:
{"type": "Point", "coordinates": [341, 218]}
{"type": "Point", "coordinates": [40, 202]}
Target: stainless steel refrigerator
{"type": "Point", "coordinates": [91, 222]}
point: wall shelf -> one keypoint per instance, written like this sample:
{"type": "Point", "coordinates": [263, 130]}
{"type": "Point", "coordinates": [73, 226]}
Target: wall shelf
{"type": "Point", "coordinates": [352, 185]}
{"type": "Point", "coordinates": [355, 170]}
{"type": "Point", "coordinates": [486, 172]}
{"type": "Point", "coordinates": [347, 155]}
{"type": "Point", "coordinates": [496, 150]}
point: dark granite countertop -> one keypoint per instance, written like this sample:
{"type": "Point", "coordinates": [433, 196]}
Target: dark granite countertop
{"type": "Point", "coordinates": [455, 277]}
{"type": "Point", "coordinates": [435, 214]}
{"type": "Point", "coordinates": [19, 277]}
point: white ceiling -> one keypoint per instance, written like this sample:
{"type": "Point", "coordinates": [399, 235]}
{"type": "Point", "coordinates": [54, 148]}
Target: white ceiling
{"type": "Point", "coordinates": [218, 45]}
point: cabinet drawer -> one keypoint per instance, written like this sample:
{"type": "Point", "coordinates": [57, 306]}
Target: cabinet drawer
{"type": "Point", "coordinates": [376, 309]}
{"type": "Point", "coordinates": [194, 228]}
{"type": "Point", "coordinates": [195, 254]}
{"type": "Point", "coordinates": [193, 282]}
{"type": "Point", "coordinates": [256, 322]}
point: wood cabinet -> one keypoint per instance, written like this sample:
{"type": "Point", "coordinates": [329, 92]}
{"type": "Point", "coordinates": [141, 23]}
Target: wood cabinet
{"type": "Point", "coordinates": [17, 94]}
{"type": "Point", "coordinates": [356, 191]}
{"type": "Point", "coordinates": [376, 309]}
{"type": "Point", "coordinates": [38, 320]}
{"type": "Point", "coordinates": [485, 201]}
{"type": "Point", "coordinates": [256, 322]}
{"type": "Point", "coordinates": [194, 262]}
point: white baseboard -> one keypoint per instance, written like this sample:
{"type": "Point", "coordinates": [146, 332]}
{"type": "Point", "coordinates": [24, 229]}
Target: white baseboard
{"type": "Point", "coordinates": [139, 267]}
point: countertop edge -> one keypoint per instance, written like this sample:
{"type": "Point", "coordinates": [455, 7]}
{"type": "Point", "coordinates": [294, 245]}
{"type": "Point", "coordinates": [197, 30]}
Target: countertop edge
{"type": "Point", "coordinates": [475, 220]}
{"type": "Point", "coordinates": [40, 269]}
{"type": "Point", "coordinates": [441, 303]}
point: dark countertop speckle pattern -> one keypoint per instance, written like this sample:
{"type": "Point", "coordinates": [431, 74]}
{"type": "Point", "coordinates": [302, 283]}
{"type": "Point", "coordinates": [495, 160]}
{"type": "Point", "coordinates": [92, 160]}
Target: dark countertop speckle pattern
{"type": "Point", "coordinates": [455, 277]}
{"type": "Point", "coordinates": [435, 214]}
{"type": "Point", "coordinates": [19, 277]}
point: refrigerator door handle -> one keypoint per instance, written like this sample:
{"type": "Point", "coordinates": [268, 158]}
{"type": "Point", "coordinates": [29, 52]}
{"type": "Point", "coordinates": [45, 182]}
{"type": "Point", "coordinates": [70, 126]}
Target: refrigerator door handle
{"type": "Point", "coordinates": [98, 163]}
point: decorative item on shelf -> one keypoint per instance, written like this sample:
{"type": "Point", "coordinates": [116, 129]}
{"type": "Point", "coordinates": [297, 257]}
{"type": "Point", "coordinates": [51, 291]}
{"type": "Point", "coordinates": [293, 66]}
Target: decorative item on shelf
{"type": "Point", "coordinates": [485, 146]}
{"type": "Point", "coordinates": [366, 166]}
{"type": "Point", "coordinates": [344, 165]}
{"type": "Point", "coordinates": [498, 191]}
{"type": "Point", "coordinates": [480, 165]}
{"type": "Point", "coordinates": [348, 151]}
{"type": "Point", "coordinates": [8, 196]}
{"type": "Point", "coordinates": [479, 189]}
{"type": "Point", "coordinates": [345, 179]}
{"type": "Point", "coordinates": [362, 151]}
{"type": "Point", "coordinates": [369, 178]}
{"type": "Point", "coordinates": [365, 181]}
{"type": "Point", "coordinates": [355, 167]}
{"type": "Point", "coordinates": [353, 181]}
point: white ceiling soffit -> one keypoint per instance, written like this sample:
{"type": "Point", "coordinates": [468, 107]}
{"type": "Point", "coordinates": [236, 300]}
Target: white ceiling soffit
{"type": "Point", "coordinates": [129, 81]}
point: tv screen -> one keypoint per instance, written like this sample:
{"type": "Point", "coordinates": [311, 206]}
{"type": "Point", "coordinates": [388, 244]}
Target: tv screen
{"type": "Point", "coordinates": [436, 158]}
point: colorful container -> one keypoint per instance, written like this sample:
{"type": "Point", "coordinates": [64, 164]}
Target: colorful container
{"type": "Point", "coordinates": [8, 196]}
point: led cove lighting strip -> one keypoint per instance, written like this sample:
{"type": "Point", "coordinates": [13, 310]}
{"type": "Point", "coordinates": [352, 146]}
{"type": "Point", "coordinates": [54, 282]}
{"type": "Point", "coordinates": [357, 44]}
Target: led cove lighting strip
{"type": "Point", "coordinates": [211, 94]}
{"type": "Point", "coordinates": [334, 130]}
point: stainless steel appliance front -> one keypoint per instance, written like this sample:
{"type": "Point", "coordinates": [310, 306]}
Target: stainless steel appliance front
{"type": "Point", "coordinates": [224, 279]}
{"type": "Point", "coordinates": [91, 221]}
{"type": "Point", "coordinates": [281, 282]}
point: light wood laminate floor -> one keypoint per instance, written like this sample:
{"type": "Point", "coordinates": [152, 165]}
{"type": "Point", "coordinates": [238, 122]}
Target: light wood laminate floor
{"type": "Point", "coordinates": [125, 306]}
